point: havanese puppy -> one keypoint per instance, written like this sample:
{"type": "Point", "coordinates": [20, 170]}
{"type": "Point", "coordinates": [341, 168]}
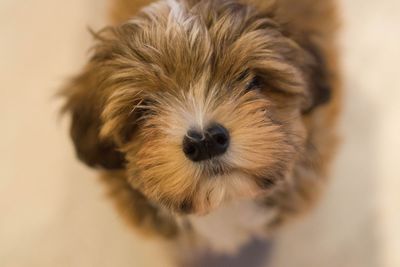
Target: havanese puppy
{"type": "Point", "coordinates": [212, 121]}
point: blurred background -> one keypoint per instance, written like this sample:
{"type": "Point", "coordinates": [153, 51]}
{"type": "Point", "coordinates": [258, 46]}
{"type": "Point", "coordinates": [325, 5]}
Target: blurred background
{"type": "Point", "coordinates": [53, 210]}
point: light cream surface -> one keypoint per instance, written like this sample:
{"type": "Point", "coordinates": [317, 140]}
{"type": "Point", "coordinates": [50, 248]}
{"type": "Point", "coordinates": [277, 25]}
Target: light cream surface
{"type": "Point", "coordinates": [53, 211]}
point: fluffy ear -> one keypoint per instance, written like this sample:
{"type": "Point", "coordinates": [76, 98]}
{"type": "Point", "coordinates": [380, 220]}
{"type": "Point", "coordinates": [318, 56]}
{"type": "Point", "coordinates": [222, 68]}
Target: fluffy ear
{"type": "Point", "coordinates": [85, 101]}
{"type": "Point", "coordinates": [319, 78]}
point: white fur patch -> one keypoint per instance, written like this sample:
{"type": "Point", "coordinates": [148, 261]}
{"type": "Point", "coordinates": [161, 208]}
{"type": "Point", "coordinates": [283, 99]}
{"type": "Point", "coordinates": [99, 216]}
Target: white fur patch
{"type": "Point", "coordinates": [232, 225]}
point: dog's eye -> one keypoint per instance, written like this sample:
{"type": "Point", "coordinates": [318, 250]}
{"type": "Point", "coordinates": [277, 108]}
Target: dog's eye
{"type": "Point", "coordinates": [254, 83]}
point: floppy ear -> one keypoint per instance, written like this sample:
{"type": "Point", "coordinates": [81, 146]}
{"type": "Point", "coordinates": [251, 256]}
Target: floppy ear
{"type": "Point", "coordinates": [319, 78]}
{"type": "Point", "coordinates": [85, 101]}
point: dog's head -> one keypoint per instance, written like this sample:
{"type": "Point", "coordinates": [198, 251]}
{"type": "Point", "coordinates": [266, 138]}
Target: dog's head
{"type": "Point", "coordinates": [199, 103]}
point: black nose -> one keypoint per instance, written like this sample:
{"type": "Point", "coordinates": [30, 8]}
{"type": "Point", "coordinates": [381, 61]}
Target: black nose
{"type": "Point", "coordinates": [213, 142]}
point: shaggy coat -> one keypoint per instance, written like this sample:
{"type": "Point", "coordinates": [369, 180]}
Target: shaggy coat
{"type": "Point", "coordinates": [266, 70]}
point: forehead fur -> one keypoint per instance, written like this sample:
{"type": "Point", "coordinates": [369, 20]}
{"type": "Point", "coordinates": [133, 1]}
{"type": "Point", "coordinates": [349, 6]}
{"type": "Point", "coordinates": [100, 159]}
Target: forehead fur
{"type": "Point", "coordinates": [172, 45]}
{"type": "Point", "coordinates": [177, 42]}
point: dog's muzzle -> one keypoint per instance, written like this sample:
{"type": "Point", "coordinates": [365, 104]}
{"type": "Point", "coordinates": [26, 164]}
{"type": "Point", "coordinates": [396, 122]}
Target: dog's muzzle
{"type": "Point", "coordinates": [204, 145]}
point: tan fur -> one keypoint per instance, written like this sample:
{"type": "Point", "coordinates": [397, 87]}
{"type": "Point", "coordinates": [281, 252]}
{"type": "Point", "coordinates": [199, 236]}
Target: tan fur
{"type": "Point", "coordinates": [179, 65]}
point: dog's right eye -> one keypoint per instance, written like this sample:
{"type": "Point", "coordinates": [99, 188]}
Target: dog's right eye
{"type": "Point", "coordinates": [254, 83]}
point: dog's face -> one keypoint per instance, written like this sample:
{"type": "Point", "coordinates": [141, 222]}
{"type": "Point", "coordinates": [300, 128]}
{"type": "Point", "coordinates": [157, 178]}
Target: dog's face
{"type": "Point", "coordinates": [199, 103]}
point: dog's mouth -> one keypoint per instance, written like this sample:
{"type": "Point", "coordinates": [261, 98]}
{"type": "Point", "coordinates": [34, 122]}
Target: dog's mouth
{"type": "Point", "coordinates": [214, 168]}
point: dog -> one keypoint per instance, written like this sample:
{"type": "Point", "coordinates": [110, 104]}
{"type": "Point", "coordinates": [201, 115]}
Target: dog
{"type": "Point", "coordinates": [211, 121]}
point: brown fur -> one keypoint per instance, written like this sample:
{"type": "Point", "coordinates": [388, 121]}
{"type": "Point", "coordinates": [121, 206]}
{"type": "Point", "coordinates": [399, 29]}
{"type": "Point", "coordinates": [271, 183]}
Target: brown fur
{"type": "Point", "coordinates": [157, 73]}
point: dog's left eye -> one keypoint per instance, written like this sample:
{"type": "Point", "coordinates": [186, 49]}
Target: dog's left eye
{"type": "Point", "coordinates": [253, 84]}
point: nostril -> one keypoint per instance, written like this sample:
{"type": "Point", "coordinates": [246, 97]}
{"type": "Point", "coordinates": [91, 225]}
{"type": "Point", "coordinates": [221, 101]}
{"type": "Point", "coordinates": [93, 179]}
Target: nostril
{"type": "Point", "coordinates": [221, 139]}
{"type": "Point", "coordinates": [192, 145]}
{"type": "Point", "coordinates": [219, 133]}
{"type": "Point", "coordinates": [189, 149]}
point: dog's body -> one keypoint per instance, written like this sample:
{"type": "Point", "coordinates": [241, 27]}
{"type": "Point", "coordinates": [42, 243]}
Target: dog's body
{"type": "Point", "coordinates": [258, 79]}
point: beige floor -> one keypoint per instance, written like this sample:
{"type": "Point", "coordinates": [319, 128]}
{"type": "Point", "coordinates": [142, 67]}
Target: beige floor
{"type": "Point", "coordinates": [54, 213]}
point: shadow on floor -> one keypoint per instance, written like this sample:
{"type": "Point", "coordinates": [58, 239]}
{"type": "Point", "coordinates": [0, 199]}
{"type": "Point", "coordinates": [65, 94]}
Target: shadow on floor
{"type": "Point", "coordinates": [254, 254]}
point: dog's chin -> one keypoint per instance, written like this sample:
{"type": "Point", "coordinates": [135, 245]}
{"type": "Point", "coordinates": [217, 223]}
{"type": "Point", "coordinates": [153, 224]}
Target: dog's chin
{"type": "Point", "coordinates": [223, 186]}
